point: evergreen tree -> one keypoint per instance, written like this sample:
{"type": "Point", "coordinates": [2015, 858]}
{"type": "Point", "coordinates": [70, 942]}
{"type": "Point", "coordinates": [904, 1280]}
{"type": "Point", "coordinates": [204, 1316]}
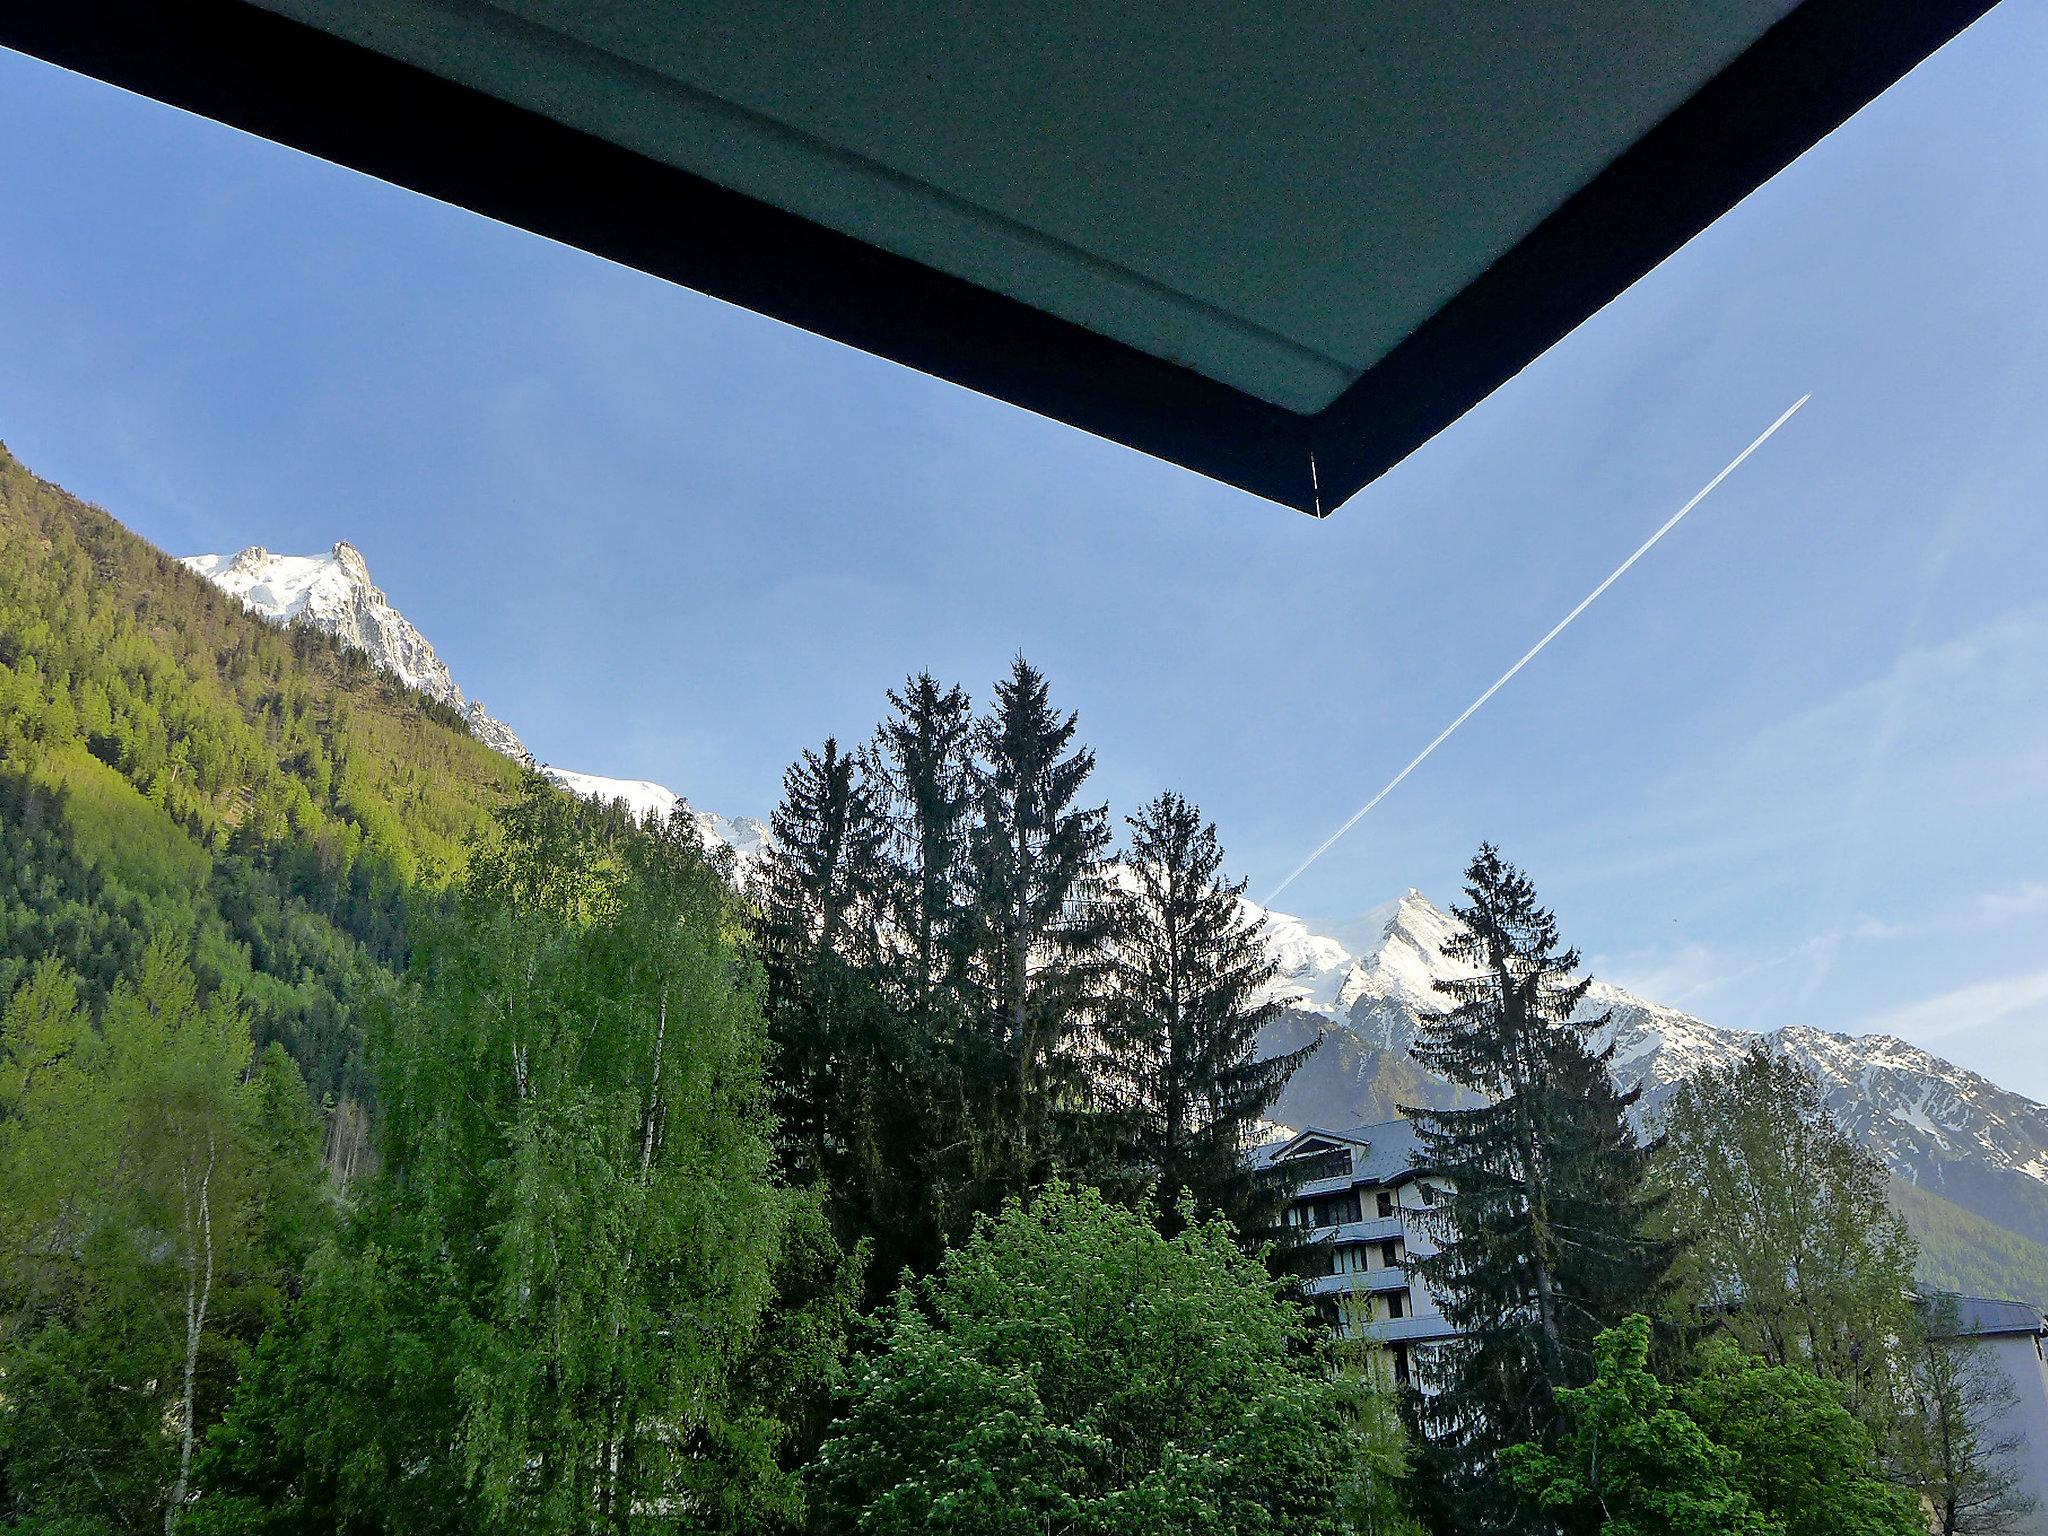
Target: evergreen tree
{"type": "Point", "coordinates": [1543, 1226]}
{"type": "Point", "coordinates": [1036, 926]}
{"type": "Point", "coordinates": [819, 940]}
{"type": "Point", "coordinates": [860, 949]}
{"type": "Point", "coordinates": [1181, 1087]}
{"type": "Point", "coordinates": [925, 756]}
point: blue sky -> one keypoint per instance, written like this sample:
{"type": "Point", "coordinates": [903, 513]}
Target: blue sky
{"type": "Point", "coordinates": [1790, 769]}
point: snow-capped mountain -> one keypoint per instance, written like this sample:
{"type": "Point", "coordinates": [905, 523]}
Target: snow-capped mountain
{"type": "Point", "coordinates": [1933, 1123]}
{"type": "Point", "coordinates": [333, 593]}
{"type": "Point", "coordinates": [646, 800]}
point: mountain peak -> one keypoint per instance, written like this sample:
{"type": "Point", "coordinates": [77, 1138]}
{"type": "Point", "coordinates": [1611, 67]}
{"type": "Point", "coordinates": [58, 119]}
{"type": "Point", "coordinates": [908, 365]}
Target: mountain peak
{"type": "Point", "coordinates": [351, 561]}
{"type": "Point", "coordinates": [1933, 1124]}
{"type": "Point", "coordinates": [333, 594]}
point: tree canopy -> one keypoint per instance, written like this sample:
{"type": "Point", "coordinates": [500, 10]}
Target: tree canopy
{"type": "Point", "coordinates": [1543, 1214]}
{"type": "Point", "coordinates": [1068, 1367]}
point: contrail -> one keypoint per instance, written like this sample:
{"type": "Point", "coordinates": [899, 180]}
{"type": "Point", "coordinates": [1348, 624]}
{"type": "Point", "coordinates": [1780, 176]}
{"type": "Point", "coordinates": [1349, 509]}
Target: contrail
{"type": "Point", "coordinates": [1557, 629]}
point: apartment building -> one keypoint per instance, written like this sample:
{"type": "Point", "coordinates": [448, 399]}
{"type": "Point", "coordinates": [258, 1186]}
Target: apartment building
{"type": "Point", "coordinates": [2011, 1339]}
{"type": "Point", "coordinates": [1357, 1202]}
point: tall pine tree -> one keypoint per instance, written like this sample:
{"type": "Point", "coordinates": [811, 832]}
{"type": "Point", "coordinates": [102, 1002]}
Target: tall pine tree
{"type": "Point", "coordinates": [1181, 1087]}
{"type": "Point", "coordinates": [923, 759]}
{"type": "Point", "coordinates": [819, 938]}
{"type": "Point", "coordinates": [1036, 928]}
{"type": "Point", "coordinates": [1543, 1226]}
{"type": "Point", "coordinates": [924, 754]}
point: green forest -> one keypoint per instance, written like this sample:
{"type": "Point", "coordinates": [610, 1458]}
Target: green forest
{"type": "Point", "coordinates": [391, 1143]}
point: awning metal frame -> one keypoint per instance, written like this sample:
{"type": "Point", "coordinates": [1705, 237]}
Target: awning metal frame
{"type": "Point", "coordinates": [274, 77]}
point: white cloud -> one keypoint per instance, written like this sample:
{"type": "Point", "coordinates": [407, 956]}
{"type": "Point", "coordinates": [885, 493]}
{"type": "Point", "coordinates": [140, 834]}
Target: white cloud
{"type": "Point", "coordinates": [1966, 1008]}
{"type": "Point", "coordinates": [2027, 899]}
{"type": "Point", "coordinates": [1675, 977]}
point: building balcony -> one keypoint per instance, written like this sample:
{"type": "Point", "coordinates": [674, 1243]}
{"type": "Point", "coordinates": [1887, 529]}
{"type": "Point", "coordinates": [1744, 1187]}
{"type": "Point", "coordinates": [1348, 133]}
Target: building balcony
{"type": "Point", "coordinates": [1374, 1229]}
{"type": "Point", "coordinates": [1337, 1184]}
{"type": "Point", "coordinates": [1427, 1329]}
{"type": "Point", "coordinates": [1370, 1282]}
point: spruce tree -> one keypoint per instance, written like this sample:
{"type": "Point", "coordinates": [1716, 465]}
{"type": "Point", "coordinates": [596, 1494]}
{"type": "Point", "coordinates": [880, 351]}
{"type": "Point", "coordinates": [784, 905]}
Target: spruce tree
{"type": "Point", "coordinates": [922, 759]}
{"type": "Point", "coordinates": [1541, 1211]}
{"type": "Point", "coordinates": [924, 754]}
{"type": "Point", "coordinates": [1181, 1087]}
{"type": "Point", "coordinates": [1036, 927]}
{"type": "Point", "coordinates": [819, 938]}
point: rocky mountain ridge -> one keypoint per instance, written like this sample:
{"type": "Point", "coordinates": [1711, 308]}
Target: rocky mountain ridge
{"type": "Point", "coordinates": [1937, 1126]}
{"type": "Point", "coordinates": [333, 593]}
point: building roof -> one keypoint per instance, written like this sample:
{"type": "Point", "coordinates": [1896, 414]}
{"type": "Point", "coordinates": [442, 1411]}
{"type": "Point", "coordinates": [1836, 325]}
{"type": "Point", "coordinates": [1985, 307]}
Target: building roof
{"type": "Point", "coordinates": [1974, 1317]}
{"type": "Point", "coordinates": [1385, 1151]}
{"type": "Point", "coordinates": [1281, 244]}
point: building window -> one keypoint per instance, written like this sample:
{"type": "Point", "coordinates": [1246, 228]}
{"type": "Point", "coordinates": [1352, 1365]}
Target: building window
{"type": "Point", "coordinates": [1401, 1364]}
{"type": "Point", "coordinates": [1320, 1165]}
{"type": "Point", "coordinates": [1397, 1305]}
{"type": "Point", "coordinates": [1390, 1252]}
{"type": "Point", "coordinates": [1386, 1202]}
{"type": "Point", "coordinates": [1331, 1211]}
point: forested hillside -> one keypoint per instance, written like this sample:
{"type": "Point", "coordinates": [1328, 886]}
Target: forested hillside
{"type": "Point", "coordinates": [170, 763]}
{"type": "Point", "coordinates": [647, 1144]}
{"type": "Point", "coordinates": [1961, 1251]}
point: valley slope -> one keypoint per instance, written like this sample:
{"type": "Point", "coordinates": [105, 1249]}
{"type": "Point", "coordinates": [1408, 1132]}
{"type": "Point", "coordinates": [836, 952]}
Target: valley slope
{"type": "Point", "coordinates": [1962, 1146]}
{"type": "Point", "coordinates": [170, 764]}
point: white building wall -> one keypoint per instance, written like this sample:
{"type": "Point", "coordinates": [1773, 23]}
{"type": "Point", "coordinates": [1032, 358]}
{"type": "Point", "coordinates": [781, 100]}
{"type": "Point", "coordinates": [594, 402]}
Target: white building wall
{"type": "Point", "coordinates": [2019, 1356]}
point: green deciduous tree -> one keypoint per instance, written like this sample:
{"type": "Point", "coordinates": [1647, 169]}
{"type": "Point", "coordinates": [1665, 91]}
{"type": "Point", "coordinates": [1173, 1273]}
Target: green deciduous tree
{"type": "Point", "coordinates": [1803, 1458]}
{"type": "Point", "coordinates": [541, 1314]}
{"type": "Point", "coordinates": [158, 1193]}
{"type": "Point", "coordinates": [1793, 1250]}
{"type": "Point", "coordinates": [1743, 1449]}
{"type": "Point", "coordinates": [1968, 1455]}
{"type": "Point", "coordinates": [1544, 1228]}
{"type": "Point", "coordinates": [1629, 1461]}
{"type": "Point", "coordinates": [1070, 1368]}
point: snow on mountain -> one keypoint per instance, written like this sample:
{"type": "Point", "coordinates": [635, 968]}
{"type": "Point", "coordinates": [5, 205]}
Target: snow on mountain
{"type": "Point", "coordinates": [1312, 966]}
{"type": "Point", "coordinates": [645, 800]}
{"type": "Point", "coordinates": [1933, 1123]}
{"type": "Point", "coordinates": [333, 593]}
